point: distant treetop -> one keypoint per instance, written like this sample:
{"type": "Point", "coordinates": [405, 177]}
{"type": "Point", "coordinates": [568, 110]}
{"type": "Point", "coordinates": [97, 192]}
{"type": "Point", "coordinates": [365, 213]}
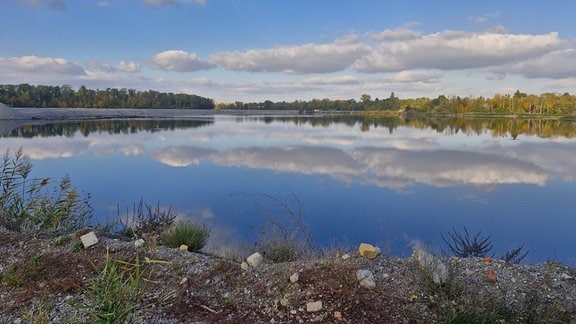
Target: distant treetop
{"type": "Point", "coordinates": [42, 96]}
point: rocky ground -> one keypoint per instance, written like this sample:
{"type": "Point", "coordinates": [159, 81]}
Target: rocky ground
{"type": "Point", "coordinates": [48, 281]}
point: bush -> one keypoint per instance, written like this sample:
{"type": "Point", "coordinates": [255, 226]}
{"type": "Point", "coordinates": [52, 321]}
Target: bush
{"type": "Point", "coordinates": [29, 204]}
{"type": "Point", "coordinates": [192, 234]}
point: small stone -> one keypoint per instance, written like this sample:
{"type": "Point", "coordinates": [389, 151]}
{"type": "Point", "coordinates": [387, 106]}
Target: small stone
{"type": "Point", "coordinates": [565, 276]}
{"type": "Point", "coordinates": [294, 278]}
{"type": "Point", "coordinates": [89, 239]}
{"type": "Point", "coordinates": [183, 247]}
{"type": "Point", "coordinates": [491, 276]}
{"type": "Point", "coordinates": [366, 278]}
{"type": "Point", "coordinates": [244, 266]}
{"type": "Point", "coordinates": [255, 259]}
{"type": "Point", "coordinates": [346, 256]}
{"type": "Point", "coordinates": [139, 243]}
{"type": "Point", "coordinates": [285, 302]}
{"type": "Point", "coordinates": [368, 251]}
{"type": "Point", "coordinates": [183, 281]}
{"type": "Point", "coordinates": [338, 315]}
{"type": "Point", "coordinates": [314, 306]}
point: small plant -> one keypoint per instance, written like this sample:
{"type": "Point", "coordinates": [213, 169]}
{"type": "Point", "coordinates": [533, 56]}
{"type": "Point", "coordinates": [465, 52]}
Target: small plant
{"type": "Point", "coordinates": [194, 235]}
{"type": "Point", "coordinates": [285, 236]}
{"type": "Point", "coordinates": [115, 291]}
{"type": "Point", "coordinates": [462, 245]}
{"type": "Point", "coordinates": [144, 219]}
{"type": "Point", "coordinates": [515, 255]}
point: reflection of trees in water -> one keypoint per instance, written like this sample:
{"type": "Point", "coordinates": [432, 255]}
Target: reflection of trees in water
{"type": "Point", "coordinates": [497, 127]}
{"type": "Point", "coordinates": [70, 129]}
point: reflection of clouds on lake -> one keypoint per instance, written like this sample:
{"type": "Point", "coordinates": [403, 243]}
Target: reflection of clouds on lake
{"type": "Point", "coordinates": [39, 151]}
{"type": "Point", "coordinates": [390, 167]}
{"type": "Point", "coordinates": [181, 156]}
{"type": "Point", "coordinates": [132, 150]}
{"type": "Point", "coordinates": [300, 159]}
{"type": "Point", "coordinates": [447, 168]}
{"type": "Point", "coordinates": [557, 158]}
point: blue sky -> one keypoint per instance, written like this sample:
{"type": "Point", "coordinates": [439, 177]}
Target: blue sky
{"type": "Point", "coordinates": [249, 50]}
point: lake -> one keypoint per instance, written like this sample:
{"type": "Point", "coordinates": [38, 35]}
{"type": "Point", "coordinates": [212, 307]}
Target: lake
{"type": "Point", "coordinates": [393, 182]}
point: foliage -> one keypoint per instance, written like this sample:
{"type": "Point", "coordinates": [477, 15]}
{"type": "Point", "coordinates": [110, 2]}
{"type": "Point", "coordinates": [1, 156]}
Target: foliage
{"type": "Point", "coordinates": [115, 292]}
{"type": "Point", "coordinates": [27, 205]}
{"type": "Point", "coordinates": [40, 96]}
{"type": "Point", "coordinates": [194, 235]}
{"type": "Point", "coordinates": [144, 219]}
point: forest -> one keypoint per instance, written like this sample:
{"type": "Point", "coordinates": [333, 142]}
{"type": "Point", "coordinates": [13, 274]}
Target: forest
{"type": "Point", "coordinates": [42, 96]}
{"type": "Point", "coordinates": [516, 103]}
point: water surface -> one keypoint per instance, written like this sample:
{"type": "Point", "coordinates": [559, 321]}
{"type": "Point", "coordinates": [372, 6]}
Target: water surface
{"type": "Point", "coordinates": [387, 181]}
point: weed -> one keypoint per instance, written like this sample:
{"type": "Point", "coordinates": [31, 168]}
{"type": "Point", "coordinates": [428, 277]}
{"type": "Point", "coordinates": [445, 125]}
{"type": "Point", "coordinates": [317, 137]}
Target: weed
{"type": "Point", "coordinates": [76, 247]}
{"type": "Point", "coordinates": [115, 291]}
{"type": "Point", "coordinates": [144, 220]}
{"type": "Point", "coordinates": [61, 240]}
{"type": "Point", "coordinates": [285, 236]}
{"type": "Point", "coordinates": [192, 234]}
{"type": "Point", "coordinates": [464, 246]}
{"type": "Point", "coordinates": [26, 206]}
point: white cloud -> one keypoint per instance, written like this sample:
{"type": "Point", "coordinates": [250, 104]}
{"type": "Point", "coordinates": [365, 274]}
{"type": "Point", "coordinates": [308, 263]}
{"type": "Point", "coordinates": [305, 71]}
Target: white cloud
{"type": "Point", "coordinates": [128, 66]}
{"type": "Point", "coordinates": [395, 35]}
{"type": "Point", "coordinates": [35, 64]}
{"type": "Point", "coordinates": [179, 61]}
{"type": "Point", "coordinates": [555, 65]}
{"type": "Point", "coordinates": [449, 50]}
{"type": "Point", "coordinates": [307, 58]}
{"type": "Point", "coordinates": [417, 76]}
{"type": "Point", "coordinates": [342, 79]}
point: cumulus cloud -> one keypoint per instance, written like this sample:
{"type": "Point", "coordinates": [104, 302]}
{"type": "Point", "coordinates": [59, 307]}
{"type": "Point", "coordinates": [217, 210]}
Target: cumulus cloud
{"type": "Point", "coordinates": [397, 34]}
{"type": "Point", "coordinates": [35, 64]}
{"type": "Point", "coordinates": [417, 76]}
{"type": "Point", "coordinates": [555, 65]}
{"type": "Point", "coordinates": [123, 66]}
{"type": "Point", "coordinates": [450, 50]}
{"type": "Point", "coordinates": [307, 58]}
{"type": "Point", "coordinates": [179, 61]}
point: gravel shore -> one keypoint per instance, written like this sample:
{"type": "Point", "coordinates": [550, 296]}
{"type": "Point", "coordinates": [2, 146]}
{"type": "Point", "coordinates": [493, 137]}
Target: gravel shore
{"type": "Point", "coordinates": [47, 280]}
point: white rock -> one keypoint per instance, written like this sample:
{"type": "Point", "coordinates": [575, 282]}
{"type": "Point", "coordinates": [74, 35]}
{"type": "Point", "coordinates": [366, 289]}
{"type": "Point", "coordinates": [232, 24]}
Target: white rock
{"type": "Point", "coordinates": [346, 256]}
{"type": "Point", "coordinates": [314, 306]}
{"type": "Point", "coordinates": [255, 259]}
{"type": "Point", "coordinates": [244, 266]}
{"type": "Point", "coordinates": [431, 264]}
{"type": "Point", "coordinates": [139, 243]}
{"type": "Point", "coordinates": [294, 278]}
{"type": "Point", "coordinates": [366, 278]}
{"type": "Point", "coordinates": [89, 239]}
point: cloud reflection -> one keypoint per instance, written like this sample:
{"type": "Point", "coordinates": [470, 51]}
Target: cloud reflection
{"type": "Point", "coordinates": [181, 156]}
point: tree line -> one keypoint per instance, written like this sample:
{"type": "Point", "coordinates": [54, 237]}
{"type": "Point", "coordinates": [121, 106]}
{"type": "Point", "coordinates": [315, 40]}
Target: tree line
{"type": "Point", "coordinates": [43, 96]}
{"type": "Point", "coordinates": [517, 103]}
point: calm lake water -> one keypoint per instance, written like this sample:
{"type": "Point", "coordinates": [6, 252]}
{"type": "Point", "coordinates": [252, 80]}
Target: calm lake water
{"type": "Point", "coordinates": [391, 182]}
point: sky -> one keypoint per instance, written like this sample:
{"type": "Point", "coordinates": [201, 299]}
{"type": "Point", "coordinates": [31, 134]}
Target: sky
{"type": "Point", "coordinates": [256, 50]}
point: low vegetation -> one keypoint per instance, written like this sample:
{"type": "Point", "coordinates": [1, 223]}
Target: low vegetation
{"type": "Point", "coordinates": [193, 235]}
{"type": "Point", "coordinates": [35, 205]}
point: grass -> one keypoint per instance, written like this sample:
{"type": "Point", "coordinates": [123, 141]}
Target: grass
{"type": "Point", "coordinates": [115, 293]}
{"type": "Point", "coordinates": [192, 234]}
